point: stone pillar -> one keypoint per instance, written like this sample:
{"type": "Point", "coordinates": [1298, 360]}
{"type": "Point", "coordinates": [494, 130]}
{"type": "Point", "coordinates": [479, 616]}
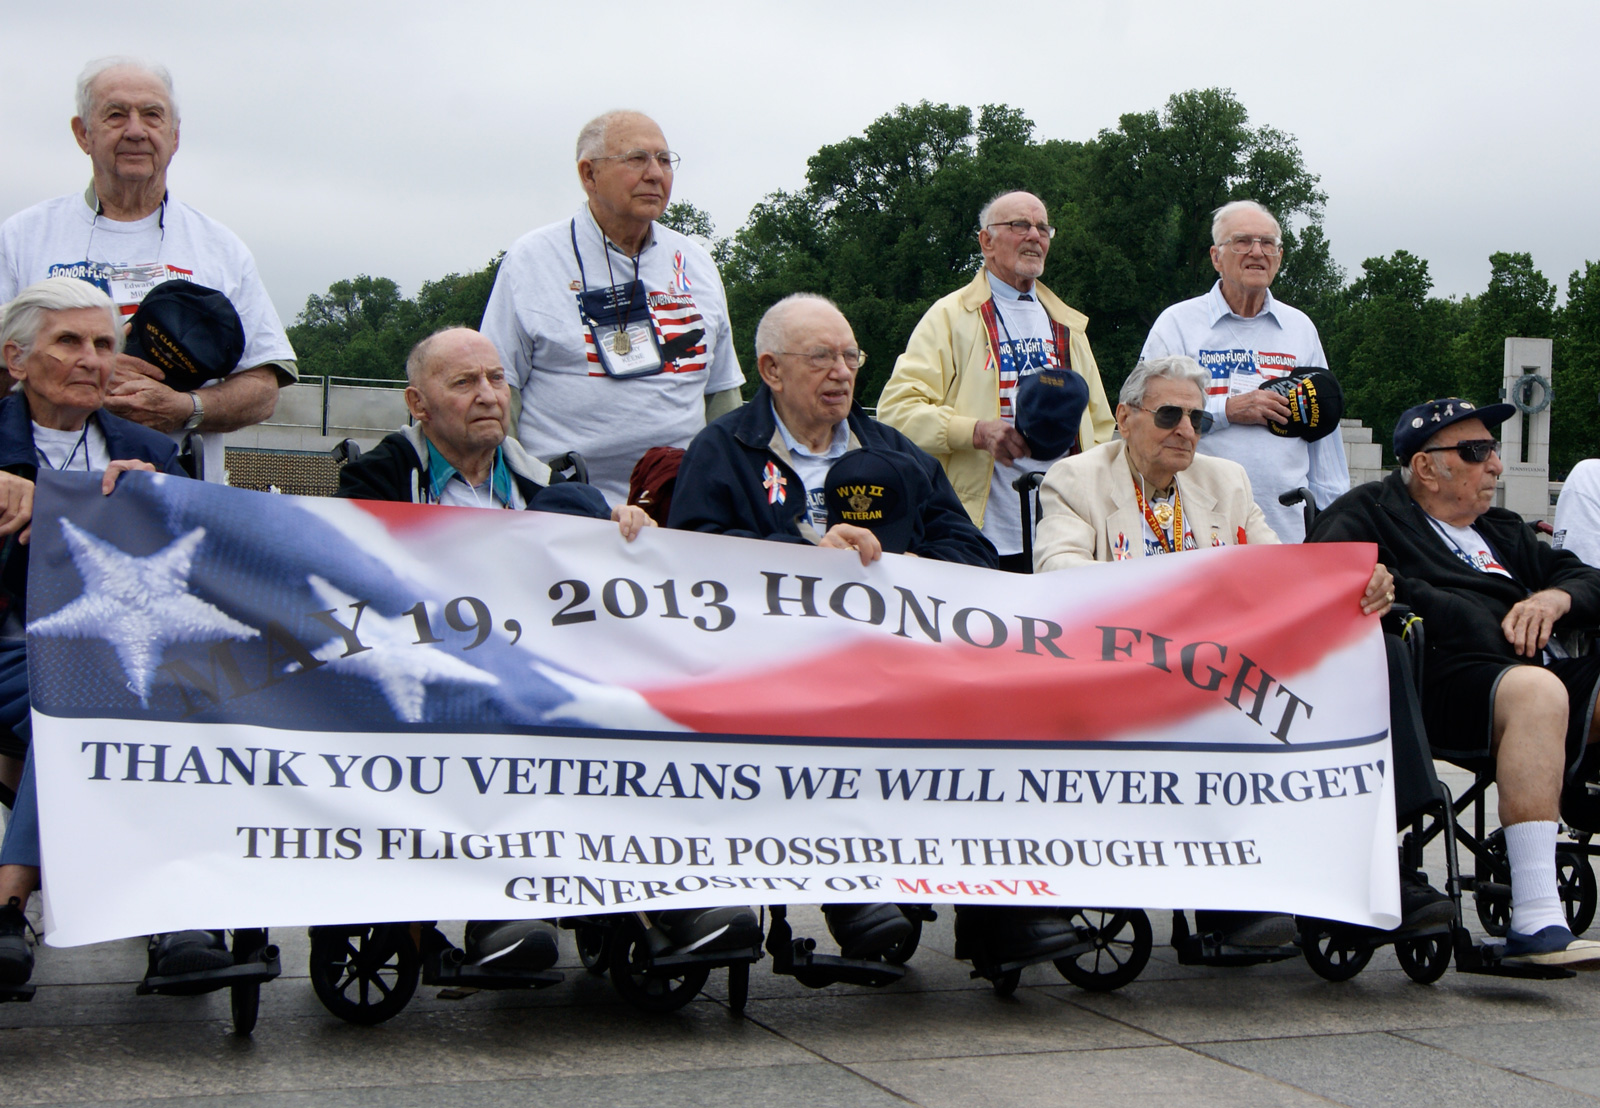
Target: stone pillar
{"type": "Point", "coordinates": [1528, 382]}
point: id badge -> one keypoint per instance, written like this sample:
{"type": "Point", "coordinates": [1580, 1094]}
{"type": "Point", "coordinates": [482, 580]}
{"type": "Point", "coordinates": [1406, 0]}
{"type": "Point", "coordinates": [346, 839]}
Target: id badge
{"type": "Point", "coordinates": [130, 283]}
{"type": "Point", "coordinates": [622, 331]}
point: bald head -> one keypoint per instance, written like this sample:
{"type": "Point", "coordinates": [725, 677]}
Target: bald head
{"type": "Point", "coordinates": [456, 390]}
{"type": "Point", "coordinates": [592, 139]}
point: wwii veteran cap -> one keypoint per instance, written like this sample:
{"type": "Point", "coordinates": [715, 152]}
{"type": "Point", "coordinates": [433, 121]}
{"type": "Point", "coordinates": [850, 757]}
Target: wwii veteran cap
{"type": "Point", "coordinates": [189, 332]}
{"type": "Point", "coordinates": [1049, 407]}
{"type": "Point", "coordinates": [1316, 404]}
{"type": "Point", "coordinates": [1418, 425]}
{"type": "Point", "coordinates": [868, 488]}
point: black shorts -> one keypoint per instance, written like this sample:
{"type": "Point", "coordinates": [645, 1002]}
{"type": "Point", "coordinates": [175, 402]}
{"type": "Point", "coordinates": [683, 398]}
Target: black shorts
{"type": "Point", "coordinates": [1460, 710]}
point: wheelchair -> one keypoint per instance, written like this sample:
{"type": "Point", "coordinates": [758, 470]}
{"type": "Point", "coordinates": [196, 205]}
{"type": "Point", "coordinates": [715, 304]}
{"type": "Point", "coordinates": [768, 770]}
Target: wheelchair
{"type": "Point", "coordinates": [646, 972]}
{"type": "Point", "coordinates": [255, 961]}
{"type": "Point", "coordinates": [797, 958]}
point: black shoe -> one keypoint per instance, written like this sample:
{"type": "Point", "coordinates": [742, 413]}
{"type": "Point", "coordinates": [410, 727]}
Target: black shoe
{"type": "Point", "coordinates": [519, 944]}
{"type": "Point", "coordinates": [1012, 934]}
{"type": "Point", "coordinates": [16, 956]}
{"type": "Point", "coordinates": [1422, 905]}
{"type": "Point", "coordinates": [866, 930]}
{"type": "Point", "coordinates": [708, 930]}
{"type": "Point", "coordinates": [1248, 928]}
{"type": "Point", "coordinates": [191, 952]}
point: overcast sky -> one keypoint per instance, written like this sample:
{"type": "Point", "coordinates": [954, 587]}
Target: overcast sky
{"type": "Point", "coordinates": [410, 140]}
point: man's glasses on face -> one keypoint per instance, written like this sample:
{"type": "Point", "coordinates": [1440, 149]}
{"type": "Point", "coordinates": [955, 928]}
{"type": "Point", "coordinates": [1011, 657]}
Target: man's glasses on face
{"type": "Point", "coordinates": [639, 160]}
{"type": "Point", "coordinates": [1243, 244]}
{"type": "Point", "coordinates": [1020, 227]}
{"type": "Point", "coordinates": [1168, 416]}
{"type": "Point", "coordinates": [1473, 451]}
{"type": "Point", "coordinates": [822, 358]}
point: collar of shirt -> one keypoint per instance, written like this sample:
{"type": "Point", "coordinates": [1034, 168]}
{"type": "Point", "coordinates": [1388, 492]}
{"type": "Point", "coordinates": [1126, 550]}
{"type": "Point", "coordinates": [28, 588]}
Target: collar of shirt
{"type": "Point", "coordinates": [836, 449]}
{"type": "Point", "coordinates": [1003, 291]}
{"type": "Point", "coordinates": [594, 225]}
{"type": "Point", "coordinates": [1219, 307]}
{"type": "Point", "coordinates": [441, 473]}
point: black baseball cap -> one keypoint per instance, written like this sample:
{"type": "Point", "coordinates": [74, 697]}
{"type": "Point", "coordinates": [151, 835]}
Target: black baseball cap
{"type": "Point", "coordinates": [190, 332]}
{"type": "Point", "coordinates": [1418, 425]}
{"type": "Point", "coordinates": [1049, 406]}
{"type": "Point", "coordinates": [1316, 404]}
{"type": "Point", "coordinates": [868, 488]}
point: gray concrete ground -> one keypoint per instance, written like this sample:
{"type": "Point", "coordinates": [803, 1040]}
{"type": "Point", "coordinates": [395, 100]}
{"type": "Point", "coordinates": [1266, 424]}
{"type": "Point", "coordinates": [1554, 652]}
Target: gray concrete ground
{"type": "Point", "coordinates": [1269, 1035]}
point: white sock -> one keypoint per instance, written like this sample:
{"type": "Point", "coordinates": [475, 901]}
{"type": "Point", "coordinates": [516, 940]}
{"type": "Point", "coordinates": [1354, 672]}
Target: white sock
{"type": "Point", "coordinates": [1535, 898]}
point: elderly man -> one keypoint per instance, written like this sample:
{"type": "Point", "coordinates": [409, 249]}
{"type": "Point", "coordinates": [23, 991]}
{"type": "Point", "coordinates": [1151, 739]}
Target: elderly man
{"type": "Point", "coordinates": [1124, 500]}
{"type": "Point", "coordinates": [954, 392]}
{"type": "Point", "coordinates": [613, 328]}
{"type": "Point", "coordinates": [1490, 594]}
{"type": "Point", "coordinates": [762, 471]}
{"type": "Point", "coordinates": [59, 338]}
{"type": "Point", "coordinates": [1245, 338]}
{"type": "Point", "coordinates": [125, 234]}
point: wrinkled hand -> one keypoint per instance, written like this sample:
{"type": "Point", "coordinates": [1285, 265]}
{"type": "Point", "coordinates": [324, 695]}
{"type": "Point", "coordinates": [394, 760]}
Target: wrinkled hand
{"type": "Point", "coordinates": [148, 402]}
{"type": "Point", "coordinates": [117, 469]}
{"type": "Point", "coordinates": [1528, 624]}
{"type": "Point", "coordinates": [1379, 597]}
{"type": "Point", "coordinates": [1000, 439]}
{"type": "Point", "coordinates": [1258, 407]}
{"type": "Point", "coordinates": [126, 366]}
{"type": "Point", "coordinates": [846, 536]}
{"type": "Point", "coordinates": [630, 520]}
{"type": "Point", "coordinates": [16, 506]}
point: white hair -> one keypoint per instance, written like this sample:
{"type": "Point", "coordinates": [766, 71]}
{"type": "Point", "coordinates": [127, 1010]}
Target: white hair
{"type": "Point", "coordinates": [1237, 207]}
{"type": "Point", "coordinates": [592, 139]}
{"type": "Point", "coordinates": [1175, 367]}
{"type": "Point", "coordinates": [988, 208]}
{"type": "Point", "coordinates": [772, 333]}
{"type": "Point", "coordinates": [93, 71]}
{"type": "Point", "coordinates": [24, 317]}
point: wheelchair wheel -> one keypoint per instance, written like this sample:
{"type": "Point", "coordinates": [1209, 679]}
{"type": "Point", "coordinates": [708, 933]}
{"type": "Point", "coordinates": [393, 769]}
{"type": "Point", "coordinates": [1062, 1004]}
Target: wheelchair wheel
{"type": "Point", "coordinates": [650, 990]}
{"type": "Point", "coordinates": [1122, 943]}
{"type": "Point", "coordinates": [1335, 953]}
{"type": "Point", "coordinates": [594, 947]}
{"type": "Point", "coordinates": [245, 1003]}
{"type": "Point", "coordinates": [1424, 958]}
{"type": "Point", "coordinates": [738, 987]}
{"type": "Point", "coordinates": [364, 974]}
{"type": "Point", "coordinates": [1007, 983]}
{"type": "Point", "coordinates": [900, 953]}
{"type": "Point", "coordinates": [1492, 866]}
{"type": "Point", "coordinates": [1575, 879]}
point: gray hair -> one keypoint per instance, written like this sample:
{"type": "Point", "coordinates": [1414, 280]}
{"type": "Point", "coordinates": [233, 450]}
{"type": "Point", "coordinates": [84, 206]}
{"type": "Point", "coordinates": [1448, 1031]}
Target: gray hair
{"type": "Point", "coordinates": [988, 208]}
{"type": "Point", "coordinates": [1237, 207]}
{"type": "Point", "coordinates": [23, 318]}
{"type": "Point", "coordinates": [93, 71]}
{"type": "Point", "coordinates": [592, 139]}
{"type": "Point", "coordinates": [1176, 367]}
{"type": "Point", "coordinates": [772, 333]}
{"type": "Point", "coordinates": [417, 360]}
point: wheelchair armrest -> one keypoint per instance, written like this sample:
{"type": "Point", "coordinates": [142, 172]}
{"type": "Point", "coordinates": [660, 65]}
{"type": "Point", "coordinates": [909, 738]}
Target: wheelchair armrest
{"type": "Point", "coordinates": [1028, 482]}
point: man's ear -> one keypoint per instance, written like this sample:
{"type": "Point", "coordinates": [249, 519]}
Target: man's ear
{"type": "Point", "coordinates": [767, 367]}
{"type": "Point", "coordinates": [416, 405]}
{"type": "Point", "coordinates": [80, 131]}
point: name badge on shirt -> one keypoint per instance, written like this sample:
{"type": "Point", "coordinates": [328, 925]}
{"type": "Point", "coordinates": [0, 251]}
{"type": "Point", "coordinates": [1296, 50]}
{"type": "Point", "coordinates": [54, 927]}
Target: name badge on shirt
{"type": "Point", "coordinates": [129, 284]}
{"type": "Point", "coordinates": [624, 335]}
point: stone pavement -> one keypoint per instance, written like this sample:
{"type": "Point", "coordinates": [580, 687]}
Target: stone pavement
{"type": "Point", "coordinates": [1269, 1035]}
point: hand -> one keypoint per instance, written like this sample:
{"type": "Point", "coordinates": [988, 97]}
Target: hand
{"type": "Point", "coordinates": [846, 536]}
{"type": "Point", "coordinates": [1379, 597]}
{"type": "Point", "coordinates": [16, 506]}
{"type": "Point", "coordinates": [630, 520]}
{"type": "Point", "coordinates": [1258, 407]}
{"type": "Point", "coordinates": [117, 469]}
{"type": "Point", "coordinates": [1528, 624]}
{"type": "Point", "coordinates": [126, 366]}
{"type": "Point", "coordinates": [1000, 439]}
{"type": "Point", "coordinates": [148, 402]}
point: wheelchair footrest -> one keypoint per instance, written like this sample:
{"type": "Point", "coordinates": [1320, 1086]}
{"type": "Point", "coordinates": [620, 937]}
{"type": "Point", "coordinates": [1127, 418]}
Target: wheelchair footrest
{"type": "Point", "coordinates": [990, 972]}
{"type": "Point", "coordinates": [715, 959]}
{"type": "Point", "coordinates": [264, 967]}
{"type": "Point", "coordinates": [1205, 950]}
{"type": "Point", "coordinates": [1485, 959]}
{"type": "Point", "coordinates": [16, 992]}
{"type": "Point", "coordinates": [818, 971]}
{"type": "Point", "coordinates": [452, 976]}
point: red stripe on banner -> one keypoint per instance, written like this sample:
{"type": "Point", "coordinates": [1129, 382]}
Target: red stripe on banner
{"type": "Point", "coordinates": [400, 517]}
{"type": "Point", "coordinates": [1284, 608]}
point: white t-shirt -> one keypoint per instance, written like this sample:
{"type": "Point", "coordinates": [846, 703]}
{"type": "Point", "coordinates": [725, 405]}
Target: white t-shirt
{"type": "Point", "coordinates": [83, 450]}
{"type": "Point", "coordinates": [456, 491]}
{"type": "Point", "coordinates": [812, 469]}
{"type": "Point", "coordinates": [64, 238]}
{"type": "Point", "coordinates": [568, 402]}
{"type": "Point", "coordinates": [1240, 355]}
{"type": "Point", "coordinates": [1578, 512]}
{"type": "Point", "coordinates": [1468, 545]}
{"type": "Point", "coordinates": [1027, 345]}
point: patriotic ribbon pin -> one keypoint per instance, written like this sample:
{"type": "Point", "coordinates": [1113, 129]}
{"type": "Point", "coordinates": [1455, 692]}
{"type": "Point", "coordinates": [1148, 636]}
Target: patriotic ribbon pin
{"type": "Point", "coordinates": [774, 483]}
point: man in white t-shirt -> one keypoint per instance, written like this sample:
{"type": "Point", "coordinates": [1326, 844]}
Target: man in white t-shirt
{"type": "Point", "coordinates": [1578, 512]}
{"type": "Point", "coordinates": [125, 234]}
{"type": "Point", "coordinates": [614, 329]}
{"type": "Point", "coordinates": [1245, 338]}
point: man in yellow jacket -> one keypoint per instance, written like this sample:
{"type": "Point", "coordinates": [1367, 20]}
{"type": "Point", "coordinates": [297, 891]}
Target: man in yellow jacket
{"type": "Point", "coordinates": [954, 392]}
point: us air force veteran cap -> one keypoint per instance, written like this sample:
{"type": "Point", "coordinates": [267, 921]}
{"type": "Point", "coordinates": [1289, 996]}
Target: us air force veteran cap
{"type": "Point", "coordinates": [190, 332]}
{"type": "Point", "coordinates": [1418, 425]}
{"type": "Point", "coordinates": [867, 488]}
{"type": "Point", "coordinates": [1049, 407]}
{"type": "Point", "coordinates": [1316, 404]}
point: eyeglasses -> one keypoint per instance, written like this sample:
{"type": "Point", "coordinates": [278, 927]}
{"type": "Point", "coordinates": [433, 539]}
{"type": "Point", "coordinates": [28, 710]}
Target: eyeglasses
{"type": "Point", "coordinates": [1242, 244]}
{"type": "Point", "coordinates": [1475, 451]}
{"type": "Point", "coordinates": [639, 160]}
{"type": "Point", "coordinates": [1022, 226]}
{"type": "Point", "coordinates": [823, 358]}
{"type": "Point", "coordinates": [1168, 415]}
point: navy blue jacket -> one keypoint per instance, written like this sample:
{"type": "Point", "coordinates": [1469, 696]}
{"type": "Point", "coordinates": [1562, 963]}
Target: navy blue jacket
{"type": "Point", "coordinates": [720, 486]}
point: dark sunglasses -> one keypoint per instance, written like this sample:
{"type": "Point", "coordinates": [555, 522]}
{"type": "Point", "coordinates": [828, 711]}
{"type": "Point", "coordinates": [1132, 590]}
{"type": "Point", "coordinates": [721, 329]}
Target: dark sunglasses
{"type": "Point", "coordinates": [1475, 451]}
{"type": "Point", "coordinates": [1168, 415]}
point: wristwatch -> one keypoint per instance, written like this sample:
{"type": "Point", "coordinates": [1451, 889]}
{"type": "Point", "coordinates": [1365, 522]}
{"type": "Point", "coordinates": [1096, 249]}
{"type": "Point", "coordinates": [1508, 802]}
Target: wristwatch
{"type": "Point", "coordinates": [199, 413]}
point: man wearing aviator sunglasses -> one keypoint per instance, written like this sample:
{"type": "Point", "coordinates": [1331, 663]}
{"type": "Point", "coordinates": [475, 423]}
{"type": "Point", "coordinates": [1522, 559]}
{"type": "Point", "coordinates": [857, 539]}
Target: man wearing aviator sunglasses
{"type": "Point", "coordinates": [1490, 594]}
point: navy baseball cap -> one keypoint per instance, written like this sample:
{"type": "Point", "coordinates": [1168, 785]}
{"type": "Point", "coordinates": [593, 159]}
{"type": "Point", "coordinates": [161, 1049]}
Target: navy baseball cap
{"type": "Point", "coordinates": [1316, 404]}
{"type": "Point", "coordinates": [190, 332]}
{"type": "Point", "coordinates": [867, 488]}
{"type": "Point", "coordinates": [1418, 425]}
{"type": "Point", "coordinates": [1049, 406]}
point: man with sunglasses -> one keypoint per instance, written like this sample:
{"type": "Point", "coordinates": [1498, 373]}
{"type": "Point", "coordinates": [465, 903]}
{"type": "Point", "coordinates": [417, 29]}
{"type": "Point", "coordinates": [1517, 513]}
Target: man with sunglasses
{"type": "Point", "coordinates": [1245, 338]}
{"type": "Point", "coordinates": [613, 329]}
{"type": "Point", "coordinates": [1490, 594]}
{"type": "Point", "coordinates": [954, 392]}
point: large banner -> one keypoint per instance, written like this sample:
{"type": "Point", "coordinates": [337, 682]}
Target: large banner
{"type": "Point", "coordinates": [255, 710]}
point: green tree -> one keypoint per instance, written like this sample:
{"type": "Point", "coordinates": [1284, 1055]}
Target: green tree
{"type": "Point", "coordinates": [687, 219]}
{"type": "Point", "coordinates": [1574, 428]}
{"type": "Point", "coordinates": [1518, 302]}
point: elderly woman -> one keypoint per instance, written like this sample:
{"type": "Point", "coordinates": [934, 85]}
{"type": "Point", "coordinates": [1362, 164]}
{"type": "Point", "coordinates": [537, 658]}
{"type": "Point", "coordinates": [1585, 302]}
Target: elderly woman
{"type": "Point", "coordinates": [60, 339]}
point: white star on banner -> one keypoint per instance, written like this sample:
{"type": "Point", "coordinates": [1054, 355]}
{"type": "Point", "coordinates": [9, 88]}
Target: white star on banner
{"type": "Point", "coordinates": [138, 605]}
{"type": "Point", "coordinates": [396, 662]}
{"type": "Point", "coordinates": [609, 706]}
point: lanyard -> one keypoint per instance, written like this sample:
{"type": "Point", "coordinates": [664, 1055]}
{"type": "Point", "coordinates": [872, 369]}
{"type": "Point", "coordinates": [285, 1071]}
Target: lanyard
{"type": "Point", "coordinates": [1168, 545]}
{"type": "Point", "coordinates": [1462, 554]}
{"type": "Point", "coordinates": [583, 278]}
{"type": "Point", "coordinates": [83, 442]}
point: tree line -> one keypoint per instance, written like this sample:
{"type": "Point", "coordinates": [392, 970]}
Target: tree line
{"type": "Point", "coordinates": [886, 224]}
